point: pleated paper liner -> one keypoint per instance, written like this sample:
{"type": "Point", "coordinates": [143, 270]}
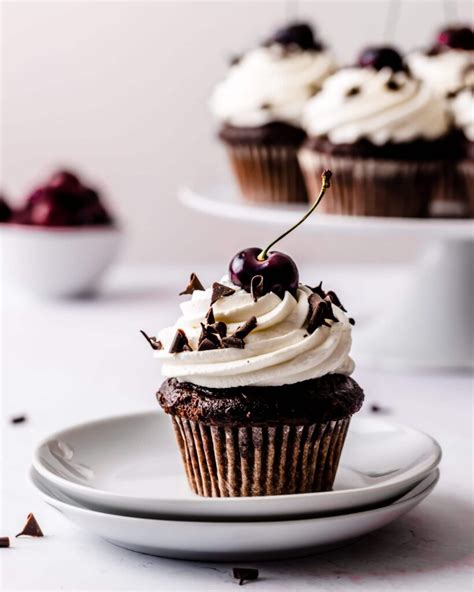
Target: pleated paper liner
{"type": "Point", "coordinates": [465, 171]}
{"type": "Point", "coordinates": [450, 195]}
{"type": "Point", "coordinates": [268, 174]}
{"type": "Point", "coordinates": [260, 460]}
{"type": "Point", "coordinates": [372, 187]}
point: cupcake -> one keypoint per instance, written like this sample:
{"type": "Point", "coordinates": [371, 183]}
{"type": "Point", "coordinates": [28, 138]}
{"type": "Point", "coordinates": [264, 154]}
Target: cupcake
{"type": "Point", "coordinates": [258, 380]}
{"type": "Point", "coordinates": [382, 132]}
{"type": "Point", "coordinates": [462, 108]}
{"type": "Point", "coordinates": [444, 64]}
{"type": "Point", "coordinates": [258, 106]}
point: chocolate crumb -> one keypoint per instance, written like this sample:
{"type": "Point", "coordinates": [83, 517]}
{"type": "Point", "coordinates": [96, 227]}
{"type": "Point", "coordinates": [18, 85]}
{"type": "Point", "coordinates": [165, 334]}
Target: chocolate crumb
{"type": "Point", "coordinates": [242, 331]}
{"type": "Point", "coordinates": [193, 285]}
{"type": "Point", "coordinates": [210, 319]}
{"type": "Point", "coordinates": [220, 291]}
{"type": "Point", "coordinates": [256, 287]}
{"type": "Point", "coordinates": [352, 321]}
{"type": "Point", "coordinates": [18, 419]}
{"type": "Point", "coordinates": [31, 528]}
{"type": "Point", "coordinates": [245, 574]}
{"type": "Point", "coordinates": [352, 92]}
{"type": "Point", "coordinates": [233, 341]}
{"type": "Point", "coordinates": [332, 296]}
{"type": "Point", "coordinates": [4, 542]}
{"type": "Point", "coordinates": [392, 84]}
{"type": "Point", "coordinates": [153, 341]}
{"type": "Point", "coordinates": [376, 408]}
{"type": "Point", "coordinates": [234, 60]}
{"type": "Point", "coordinates": [180, 343]}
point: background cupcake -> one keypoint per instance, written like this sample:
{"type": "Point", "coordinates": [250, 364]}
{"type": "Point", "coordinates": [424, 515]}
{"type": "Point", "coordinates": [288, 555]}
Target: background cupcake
{"type": "Point", "coordinates": [443, 66]}
{"type": "Point", "coordinates": [259, 106]}
{"type": "Point", "coordinates": [384, 135]}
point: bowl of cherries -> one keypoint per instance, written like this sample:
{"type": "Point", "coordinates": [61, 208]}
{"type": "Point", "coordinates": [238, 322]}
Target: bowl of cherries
{"type": "Point", "coordinates": [60, 241]}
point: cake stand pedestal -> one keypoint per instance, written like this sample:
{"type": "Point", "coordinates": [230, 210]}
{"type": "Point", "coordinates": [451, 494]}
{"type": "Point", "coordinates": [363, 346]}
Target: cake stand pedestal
{"type": "Point", "coordinates": [430, 323]}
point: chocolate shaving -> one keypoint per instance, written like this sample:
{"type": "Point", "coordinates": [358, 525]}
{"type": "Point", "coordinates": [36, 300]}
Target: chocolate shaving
{"type": "Point", "coordinates": [206, 344]}
{"type": "Point", "coordinates": [153, 341]}
{"type": "Point", "coordinates": [242, 331]}
{"type": "Point", "coordinates": [320, 311]}
{"type": "Point", "coordinates": [193, 285]}
{"type": "Point", "coordinates": [180, 343]}
{"type": "Point", "coordinates": [352, 92]}
{"type": "Point", "coordinates": [245, 574]}
{"type": "Point", "coordinates": [18, 419]}
{"type": "Point", "coordinates": [211, 335]}
{"type": "Point", "coordinates": [210, 319]}
{"type": "Point", "coordinates": [233, 341]}
{"type": "Point", "coordinates": [352, 321]}
{"type": "Point", "coordinates": [256, 287]}
{"type": "Point", "coordinates": [220, 328]}
{"type": "Point", "coordinates": [220, 291]}
{"type": "Point", "coordinates": [332, 296]}
{"type": "Point", "coordinates": [31, 528]}
{"type": "Point", "coordinates": [319, 290]}
{"type": "Point", "coordinates": [4, 542]}
{"type": "Point", "coordinates": [392, 84]}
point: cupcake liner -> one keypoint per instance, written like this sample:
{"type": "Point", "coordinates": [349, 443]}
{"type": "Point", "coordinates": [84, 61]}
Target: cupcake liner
{"type": "Point", "coordinates": [465, 171]}
{"type": "Point", "coordinates": [449, 198]}
{"type": "Point", "coordinates": [268, 174]}
{"type": "Point", "coordinates": [372, 187]}
{"type": "Point", "coordinates": [226, 461]}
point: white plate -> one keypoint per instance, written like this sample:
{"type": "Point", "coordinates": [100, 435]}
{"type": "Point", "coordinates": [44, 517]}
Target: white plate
{"type": "Point", "coordinates": [131, 465]}
{"type": "Point", "coordinates": [231, 541]}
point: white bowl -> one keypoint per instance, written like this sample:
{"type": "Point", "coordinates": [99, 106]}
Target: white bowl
{"type": "Point", "coordinates": [56, 262]}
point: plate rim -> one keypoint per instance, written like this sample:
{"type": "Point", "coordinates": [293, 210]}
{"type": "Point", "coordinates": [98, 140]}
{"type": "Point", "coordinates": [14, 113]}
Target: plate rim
{"type": "Point", "coordinates": [105, 494]}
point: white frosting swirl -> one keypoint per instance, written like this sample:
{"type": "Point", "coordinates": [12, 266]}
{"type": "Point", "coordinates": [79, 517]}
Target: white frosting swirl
{"type": "Point", "coordinates": [278, 351]}
{"type": "Point", "coordinates": [357, 103]}
{"type": "Point", "coordinates": [444, 71]}
{"type": "Point", "coordinates": [270, 84]}
{"type": "Point", "coordinates": [462, 107]}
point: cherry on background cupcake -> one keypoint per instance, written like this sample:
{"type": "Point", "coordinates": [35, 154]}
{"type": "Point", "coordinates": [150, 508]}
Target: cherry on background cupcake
{"type": "Point", "coordinates": [5, 210]}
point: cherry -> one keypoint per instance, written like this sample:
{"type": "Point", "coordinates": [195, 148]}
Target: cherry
{"type": "Point", "coordinates": [5, 210]}
{"type": "Point", "coordinates": [299, 34]}
{"type": "Point", "coordinates": [64, 179]}
{"type": "Point", "coordinates": [457, 38]}
{"type": "Point", "coordinates": [278, 270]}
{"type": "Point", "coordinates": [381, 57]}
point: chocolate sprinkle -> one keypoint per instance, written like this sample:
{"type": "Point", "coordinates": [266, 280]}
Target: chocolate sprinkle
{"type": "Point", "coordinates": [220, 291]}
{"type": "Point", "coordinates": [332, 296]}
{"type": "Point", "coordinates": [4, 542]}
{"type": "Point", "coordinates": [153, 341]}
{"type": "Point", "coordinates": [319, 312]}
{"type": "Point", "coordinates": [245, 574]}
{"type": "Point", "coordinates": [242, 331]}
{"type": "Point", "coordinates": [352, 321]}
{"type": "Point", "coordinates": [352, 92]}
{"type": "Point", "coordinates": [256, 287]}
{"type": "Point", "coordinates": [193, 285]}
{"type": "Point", "coordinates": [31, 528]}
{"type": "Point", "coordinates": [180, 343]}
{"type": "Point", "coordinates": [18, 419]}
{"type": "Point", "coordinates": [392, 84]}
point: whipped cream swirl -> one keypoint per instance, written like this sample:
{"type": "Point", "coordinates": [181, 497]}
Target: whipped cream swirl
{"type": "Point", "coordinates": [462, 108]}
{"type": "Point", "coordinates": [444, 71]}
{"type": "Point", "coordinates": [381, 106]}
{"type": "Point", "coordinates": [270, 84]}
{"type": "Point", "coordinates": [279, 351]}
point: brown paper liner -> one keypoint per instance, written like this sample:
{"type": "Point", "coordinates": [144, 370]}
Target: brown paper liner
{"type": "Point", "coordinates": [371, 187]}
{"type": "Point", "coordinates": [449, 198]}
{"type": "Point", "coordinates": [465, 171]}
{"type": "Point", "coordinates": [260, 460]}
{"type": "Point", "coordinates": [268, 174]}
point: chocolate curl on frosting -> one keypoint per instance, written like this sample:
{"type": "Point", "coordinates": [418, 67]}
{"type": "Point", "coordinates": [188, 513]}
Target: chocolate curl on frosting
{"type": "Point", "coordinates": [180, 343]}
{"type": "Point", "coordinates": [256, 287]}
{"type": "Point", "coordinates": [153, 341]}
{"type": "Point", "coordinates": [320, 311]}
{"type": "Point", "coordinates": [220, 291]}
{"type": "Point", "coordinates": [332, 297]}
{"type": "Point", "coordinates": [193, 285]}
{"type": "Point", "coordinates": [238, 336]}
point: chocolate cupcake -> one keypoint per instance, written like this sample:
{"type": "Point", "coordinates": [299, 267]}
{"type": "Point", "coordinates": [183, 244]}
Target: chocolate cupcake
{"type": "Point", "coordinates": [258, 380]}
{"type": "Point", "coordinates": [443, 65]}
{"type": "Point", "coordinates": [384, 134]}
{"type": "Point", "coordinates": [258, 106]}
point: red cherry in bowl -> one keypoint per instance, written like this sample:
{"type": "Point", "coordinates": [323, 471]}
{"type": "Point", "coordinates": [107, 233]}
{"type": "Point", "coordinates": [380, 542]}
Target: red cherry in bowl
{"type": "Point", "coordinates": [457, 38]}
{"type": "Point", "coordinates": [64, 179]}
{"type": "Point", "coordinates": [278, 270]}
{"type": "Point", "coordinates": [5, 210]}
{"type": "Point", "coordinates": [381, 57]}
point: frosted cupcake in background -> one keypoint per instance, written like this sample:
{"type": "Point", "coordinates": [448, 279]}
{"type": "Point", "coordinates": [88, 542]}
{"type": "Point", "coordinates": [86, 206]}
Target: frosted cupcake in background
{"type": "Point", "coordinates": [384, 134]}
{"type": "Point", "coordinates": [259, 105]}
{"type": "Point", "coordinates": [443, 66]}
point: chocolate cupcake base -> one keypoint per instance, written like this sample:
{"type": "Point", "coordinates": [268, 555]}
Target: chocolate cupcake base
{"type": "Point", "coordinates": [252, 461]}
{"type": "Point", "coordinates": [465, 171]}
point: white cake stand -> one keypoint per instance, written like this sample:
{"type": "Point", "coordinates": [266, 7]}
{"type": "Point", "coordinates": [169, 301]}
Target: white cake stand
{"type": "Point", "coordinates": [431, 325]}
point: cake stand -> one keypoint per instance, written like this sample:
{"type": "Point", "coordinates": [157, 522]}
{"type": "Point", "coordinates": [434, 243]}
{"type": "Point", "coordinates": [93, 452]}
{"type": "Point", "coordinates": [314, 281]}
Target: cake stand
{"type": "Point", "coordinates": [431, 322]}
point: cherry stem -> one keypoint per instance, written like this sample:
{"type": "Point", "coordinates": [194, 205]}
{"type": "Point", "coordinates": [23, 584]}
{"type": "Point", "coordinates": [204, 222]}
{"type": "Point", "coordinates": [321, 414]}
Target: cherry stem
{"type": "Point", "coordinates": [325, 184]}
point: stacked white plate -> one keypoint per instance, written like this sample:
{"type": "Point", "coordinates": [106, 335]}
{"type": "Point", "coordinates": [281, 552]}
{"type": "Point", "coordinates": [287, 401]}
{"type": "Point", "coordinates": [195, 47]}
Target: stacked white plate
{"type": "Point", "coordinates": [122, 479]}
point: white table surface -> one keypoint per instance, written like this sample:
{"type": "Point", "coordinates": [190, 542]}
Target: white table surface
{"type": "Point", "coordinates": [69, 362]}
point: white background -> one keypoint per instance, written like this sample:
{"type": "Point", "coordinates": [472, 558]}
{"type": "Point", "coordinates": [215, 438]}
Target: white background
{"type": "Point", "coordinates": [119, 90]}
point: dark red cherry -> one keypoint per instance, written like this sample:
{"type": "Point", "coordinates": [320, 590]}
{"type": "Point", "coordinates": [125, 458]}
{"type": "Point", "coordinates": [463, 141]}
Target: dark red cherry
{"type": "Point", "coordinates": [5, 210]}
{"type": "Point", "coordinates": [47, 209]}
{"type": "Point", "coordinates": [457, 38]}
{"type": "Point", "coordinates": [278, 270]}
{"type": "Point", "coordinates": [381, 57]}
{"type": "Point", "coordinates": [64, 179]}
{"type": "Point", "coordinates": [299, 34]}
